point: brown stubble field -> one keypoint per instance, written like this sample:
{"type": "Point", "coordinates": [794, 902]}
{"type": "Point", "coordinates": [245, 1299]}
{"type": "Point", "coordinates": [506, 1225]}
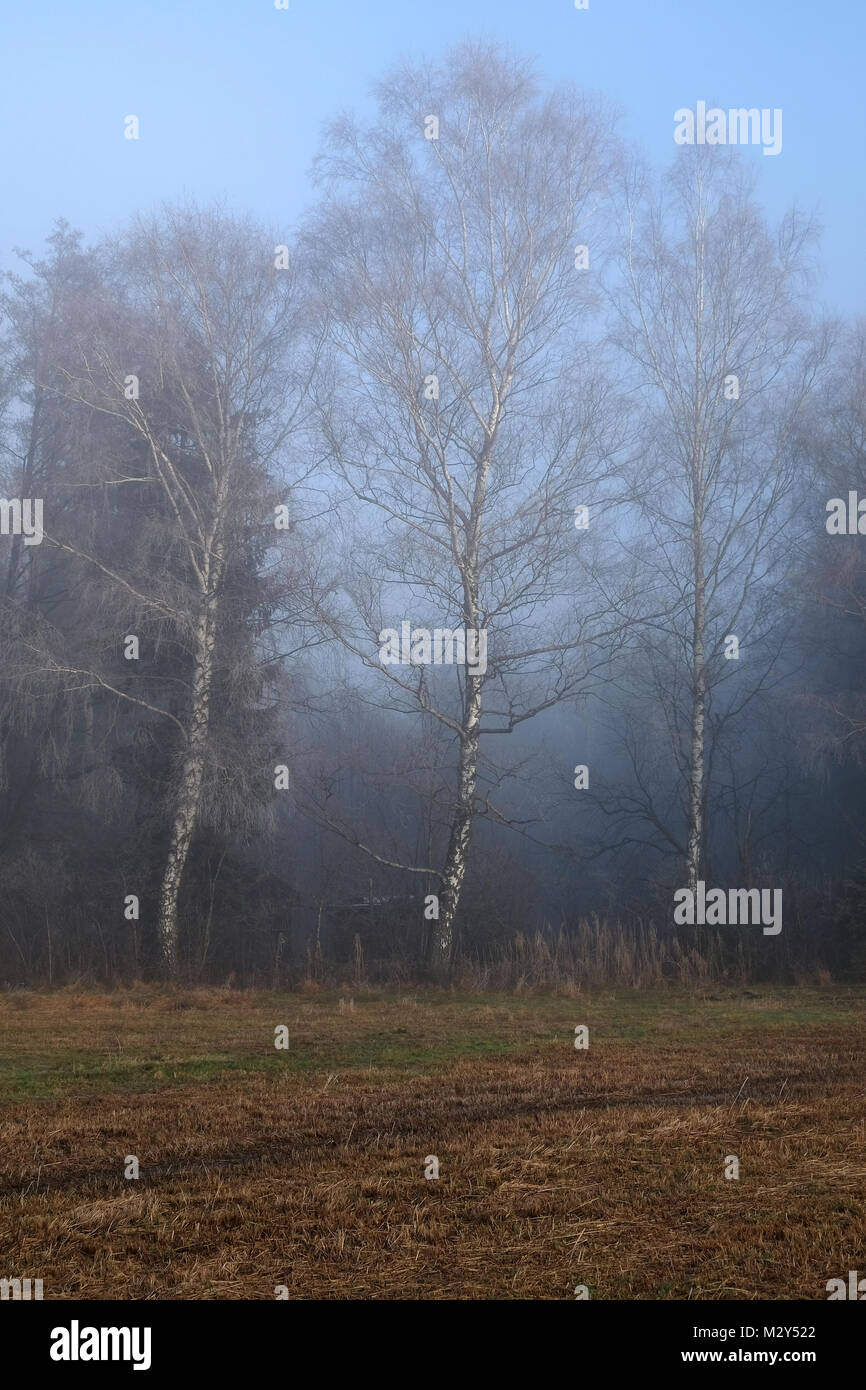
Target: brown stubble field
{"type": "Point", "coordinates": [558, 1167]}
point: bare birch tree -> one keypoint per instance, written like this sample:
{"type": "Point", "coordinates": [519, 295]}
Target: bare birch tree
{"type": "Point", "coordinates": [463, 407]}
{"type": "Point", "coordinates": [709, 311]}
{"type": "Point", "coordinates": [193, 358]}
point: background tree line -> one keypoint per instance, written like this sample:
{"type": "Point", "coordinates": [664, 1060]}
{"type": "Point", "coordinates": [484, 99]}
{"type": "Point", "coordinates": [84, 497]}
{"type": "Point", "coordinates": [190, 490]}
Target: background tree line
{"type": "Point", "coordinates": [252, 461]}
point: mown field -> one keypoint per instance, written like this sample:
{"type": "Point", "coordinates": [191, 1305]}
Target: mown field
{"type": "Point", "coordinates": [559, 1167]}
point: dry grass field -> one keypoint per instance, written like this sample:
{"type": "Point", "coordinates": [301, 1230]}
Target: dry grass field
{"type": "Point", "coordinates": [558, 1167]}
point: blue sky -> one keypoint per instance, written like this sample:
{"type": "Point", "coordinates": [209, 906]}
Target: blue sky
{"type": "Point", "coordinates": [232, 94]}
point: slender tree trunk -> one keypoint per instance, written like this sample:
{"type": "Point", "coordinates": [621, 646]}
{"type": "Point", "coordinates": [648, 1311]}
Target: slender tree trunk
{"type": "Point", "coordinates": [442, 939]}
{"type": "Point", "coordinates": [189, 788]}
{"type": "Point", "coordinates": [695, 849]}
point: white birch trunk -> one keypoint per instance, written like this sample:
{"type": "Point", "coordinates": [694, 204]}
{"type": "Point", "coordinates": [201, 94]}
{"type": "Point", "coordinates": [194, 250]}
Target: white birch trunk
{"type": "Point", "coordinates": [442, 942]}
{"type": "Point", "coordinates": [695, 846]}
{"type": "Point", "coordinates": [189, 788]}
